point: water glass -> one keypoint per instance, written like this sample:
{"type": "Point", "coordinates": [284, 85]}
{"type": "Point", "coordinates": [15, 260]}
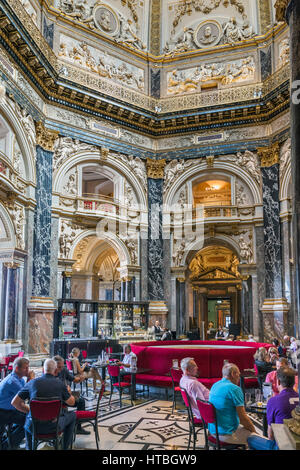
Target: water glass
{"type": "Point", "coordinates": [248, 399]}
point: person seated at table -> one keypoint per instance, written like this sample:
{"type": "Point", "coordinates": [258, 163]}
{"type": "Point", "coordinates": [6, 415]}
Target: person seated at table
{"type": "Point", "coordinates": [279, 408]}
{"type": "Point", "coordinates": [47, 386]}
{"type": "Point", "coordinates": [272, 376]}
{"type": "Point", "coordinates": [9, 387]}
{"type": "Point", "coordinates": [63, 374]}
{"type": "Point", "coordinates": [234, 425]}
{"type": "Point", "coordinates": [262, 363]}
{"type": "Point", "coordinates": [273, 355]}
{"type": "Point", "coordinates": [191, 384]}
{"type": "Point", "coordinates": [126, 361]}
{"type": "Point", "coordinates": [221, 334]}
{"type": "Point", "coordinates": [84, 371]}
{"type": "Point", "coordinates": [167, 335]}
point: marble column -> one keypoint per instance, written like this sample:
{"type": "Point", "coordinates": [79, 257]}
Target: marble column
{"type": "Point", "coordinates": [66, 285]}
{"type": "Point", "coordinates": [41, 307]}
{"type": "Point", "coordinates": [247, 308]}
{"type": "Point", "coordinates": [11, 296]}
{"type": "Point", "coordinates": [293, 18]}
{"type": "Point", "coordinates": [290, 10]}
{"type": "Point", "coordinates": [275, 306]}
{"type": "Point", "coordinates": [156, 290]}
{"type": "Point", "coordinates": [180, 310]}
{"type": "Point", "coordinates": [123, 290]}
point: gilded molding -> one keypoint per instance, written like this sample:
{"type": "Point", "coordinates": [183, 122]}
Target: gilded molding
{"type": "Point", "coordinates": [269, 156]}
{"type": "Point", "coordinates": [45, 138]}
{"type": "Point", "coordinates": [155, 27]}
{"type": "Point", "coordinates": [155, 168]}
{"type": "Point", "coordinates": [265, 19]}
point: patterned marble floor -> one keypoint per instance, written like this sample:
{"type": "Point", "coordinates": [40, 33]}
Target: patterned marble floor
{"type": "Point", "coordinates": [149, 425]}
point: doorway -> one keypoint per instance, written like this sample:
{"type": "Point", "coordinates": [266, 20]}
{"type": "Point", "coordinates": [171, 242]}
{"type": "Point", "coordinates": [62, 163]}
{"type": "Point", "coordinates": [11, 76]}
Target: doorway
{"type": "Point", "coordinates": [219, 312]}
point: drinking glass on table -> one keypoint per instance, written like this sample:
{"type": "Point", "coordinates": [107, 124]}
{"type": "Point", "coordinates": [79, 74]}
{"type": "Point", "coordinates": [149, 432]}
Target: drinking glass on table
{"type": "Point", "coordinates": [258, 398]}
{"type": "Point", "coordinates": [248, 399]}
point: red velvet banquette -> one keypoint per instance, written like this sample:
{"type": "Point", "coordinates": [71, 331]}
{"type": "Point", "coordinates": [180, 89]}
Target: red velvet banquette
{"type": "Point", "coordinates": [155, 355]}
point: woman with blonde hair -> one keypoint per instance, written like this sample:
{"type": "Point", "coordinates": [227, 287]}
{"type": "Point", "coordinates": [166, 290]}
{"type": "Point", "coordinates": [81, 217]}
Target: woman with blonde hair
{"type": "Point", "coordinates": [84, 371]}
{"type": "Point", "coordinates": [273, 355]}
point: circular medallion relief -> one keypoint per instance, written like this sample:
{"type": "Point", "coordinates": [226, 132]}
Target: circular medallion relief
{"type": "Point", "coordinates": [207, 34]}
{"type": "Point", "coordinates": [106, 20]}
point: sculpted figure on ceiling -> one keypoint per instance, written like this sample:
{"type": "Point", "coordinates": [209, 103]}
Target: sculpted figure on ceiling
{"type": "Point", "coordinates": [128, 34]}
{"type": "Point", "coordinates": [234, 33]}
{"type": "Point", "coordinates": [210, 33]}
{"type": "Point", "coordinates": [284, 52]}
{"type": "Point", "coordinates": [249, 161]}
{"type": "Point", "coordinates": [99, 16]}
{"type": "Point", "coordinates": [185, 7]}
{"type": "Point", "coordinates": [188, 80]}
{"type": "Point", "coordinates": [101, 63]}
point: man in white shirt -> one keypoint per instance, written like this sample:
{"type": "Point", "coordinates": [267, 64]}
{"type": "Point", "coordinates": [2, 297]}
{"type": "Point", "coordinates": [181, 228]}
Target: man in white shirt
{"type": "Point", "coordinates": [193, 387]}
{"type": "Point", "coordinates": [127, 359]}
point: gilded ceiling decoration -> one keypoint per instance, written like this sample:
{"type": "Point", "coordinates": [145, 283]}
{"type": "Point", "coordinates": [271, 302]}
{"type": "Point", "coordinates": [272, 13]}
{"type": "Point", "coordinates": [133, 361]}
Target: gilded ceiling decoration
{"type": "Point", "coordinates": [214, 263]}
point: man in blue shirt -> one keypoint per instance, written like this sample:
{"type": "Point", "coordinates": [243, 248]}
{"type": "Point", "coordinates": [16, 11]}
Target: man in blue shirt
{"type": "Point", "coordinates": [49, 387]}
{"type": "Point", "coordinates": [279, 408]}
{"type": "Point", "coordinates": [63, 374]}
{"type": "Point", "coordinates": [9, 387]}
{"type": "Point", "coordinates": [234, 426]}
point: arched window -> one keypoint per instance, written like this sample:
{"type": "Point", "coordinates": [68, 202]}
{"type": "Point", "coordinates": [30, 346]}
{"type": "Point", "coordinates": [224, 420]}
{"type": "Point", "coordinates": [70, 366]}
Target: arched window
{"type": "Point", "coordinates": [214, 192]}
{"type": "Point", "coordinates": [94, 183]}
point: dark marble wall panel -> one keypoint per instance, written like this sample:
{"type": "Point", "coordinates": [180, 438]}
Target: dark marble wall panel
{"type": "Point", "coordinates": [266, 63]}
{"type": "Point", "coordinates": [272, 239]}
{"type": "Point", "coordinates": [48, 32]}
{"type": "Point", "coordinates": [155, 83]}
{"type": "Point", "coordinates": [42, 225]}
{"type": "Point", "coordinates": [54, 258]}
{"type": "Point", "coordinates": [155, 241]}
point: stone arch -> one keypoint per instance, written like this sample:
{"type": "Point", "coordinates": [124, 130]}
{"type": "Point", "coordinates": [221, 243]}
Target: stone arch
{"type": "Point", "coordinates": [94, 248]}
{"type": "Point", "coordinates": [7, 230]}
{"type": "Point", "coordinates": [9, 115]}
{"type": "Point", "coordinates": [93, 156]}
{"type": "Point", "coordinates": [229, 168]}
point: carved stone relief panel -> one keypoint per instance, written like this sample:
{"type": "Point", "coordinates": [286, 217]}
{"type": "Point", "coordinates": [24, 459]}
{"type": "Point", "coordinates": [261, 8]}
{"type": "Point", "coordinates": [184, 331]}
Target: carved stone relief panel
{"type": "Point", "coordinates": [197, 24]}
{"type": "Point", "coordinates": [217, 73]}
{"type": "Point", "coordinates": [99, 62]}
{"type": "Point", "coordinates": [123, 21]}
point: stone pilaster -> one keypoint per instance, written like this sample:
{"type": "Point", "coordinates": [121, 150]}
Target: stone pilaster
{"type": "Point", "coordinates": [292, 15]}
{"type": "Point", "coordinates": [41, 306]}
{"type": "Point", "coordinates": [275, 307]}
{"type": "Point", "coordinates": [156, 292]}
{"type": "Point", "coordinates": [10, 289]}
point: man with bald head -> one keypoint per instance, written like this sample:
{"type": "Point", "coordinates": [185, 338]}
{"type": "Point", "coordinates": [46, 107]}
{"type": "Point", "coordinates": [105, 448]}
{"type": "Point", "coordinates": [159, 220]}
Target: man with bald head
{"type": "Point", "coordinates": [234, 426]}
{"type": "Point", "coordinates": [47, 387]}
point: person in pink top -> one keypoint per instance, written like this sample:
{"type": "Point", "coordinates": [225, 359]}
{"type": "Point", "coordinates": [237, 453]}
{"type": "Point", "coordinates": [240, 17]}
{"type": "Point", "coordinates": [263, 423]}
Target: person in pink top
{"type": "Point", "coordinates": [272, 376]}
{"type": "Point", "coordinates": [190, 383]}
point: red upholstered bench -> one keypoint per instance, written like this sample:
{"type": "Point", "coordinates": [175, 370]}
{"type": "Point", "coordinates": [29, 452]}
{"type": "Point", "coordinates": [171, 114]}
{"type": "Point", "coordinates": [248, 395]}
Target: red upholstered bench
{"type": "Point", "coordinates": [156, 356]}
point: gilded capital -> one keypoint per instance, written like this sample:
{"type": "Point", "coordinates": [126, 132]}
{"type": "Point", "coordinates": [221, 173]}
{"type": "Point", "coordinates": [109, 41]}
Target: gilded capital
{"type": "Point", "coordinates": [155, 168]}
{"type": "Point", "coordinates": [45, 138]}
{"type": "Point", "coordinates": [269, 155]}
{"type": "Point", "coordinates": [280, 7]}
